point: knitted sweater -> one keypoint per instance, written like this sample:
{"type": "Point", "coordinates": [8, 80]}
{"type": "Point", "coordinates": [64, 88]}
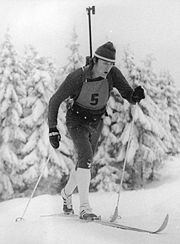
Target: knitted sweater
{"type": "Point", "coordinates": [71, 87]}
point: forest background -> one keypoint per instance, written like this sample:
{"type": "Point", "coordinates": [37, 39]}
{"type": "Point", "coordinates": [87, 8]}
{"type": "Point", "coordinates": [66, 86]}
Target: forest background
{"type": "Point", "coordinates": [26, 84]}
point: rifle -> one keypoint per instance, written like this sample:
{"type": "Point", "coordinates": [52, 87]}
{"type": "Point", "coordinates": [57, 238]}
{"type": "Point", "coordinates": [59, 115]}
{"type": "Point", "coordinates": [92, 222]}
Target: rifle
{"type": "Point", "coordinates": [89, 10]}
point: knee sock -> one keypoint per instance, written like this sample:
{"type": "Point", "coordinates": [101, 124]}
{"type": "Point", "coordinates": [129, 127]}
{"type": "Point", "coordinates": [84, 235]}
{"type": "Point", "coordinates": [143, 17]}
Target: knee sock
{"type": "Point", "coordinates": [83, 181]}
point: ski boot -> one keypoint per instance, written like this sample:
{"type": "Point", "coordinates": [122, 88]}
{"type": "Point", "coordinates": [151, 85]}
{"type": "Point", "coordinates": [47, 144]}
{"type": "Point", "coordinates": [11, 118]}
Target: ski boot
{"type": "Point", "coordinates": [88, 215]}
{"type": "Point", "coordinates": [67, 203]}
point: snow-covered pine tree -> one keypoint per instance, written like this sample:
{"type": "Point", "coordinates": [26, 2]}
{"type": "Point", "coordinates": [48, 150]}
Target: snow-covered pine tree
{"type": "Point", "coordinates": [152, 127]}
{"type": "Point", "coordinates": [39, 87]}
{"type": "Point", "coordinates": [75, 60]}
{"type": "Point", "coordinates": [162, 91]}
{"type": "Point", "coordinates": [41, 84]}
{"type": "Point", "coordinates": [169, 95]}
{"type": "Point", "coordinates": [12, 90]}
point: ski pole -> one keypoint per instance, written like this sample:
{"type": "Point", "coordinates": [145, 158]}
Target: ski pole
{"type": "Point", "coordinates": [89, 9]}
{"type": "Point", "coordinates": [32, 194]}
{"type": "Point", "coordinates": [115, 215]}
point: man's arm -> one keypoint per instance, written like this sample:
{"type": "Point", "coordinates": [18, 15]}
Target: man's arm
{"type": "Point", "coordinates": [69, 88]}
{"type": "Point", "coordinates": [121, 84]}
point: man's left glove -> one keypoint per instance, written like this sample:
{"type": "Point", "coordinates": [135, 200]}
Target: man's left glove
{"type": "Point", "coordinates": [138, 94]}
{"type": "Point", "coordinates": [54, 137]}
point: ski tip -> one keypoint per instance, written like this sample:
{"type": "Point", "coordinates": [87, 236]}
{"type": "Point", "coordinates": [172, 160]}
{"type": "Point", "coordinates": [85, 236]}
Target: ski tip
{"type": "Point", "coordinates": [163, 226]}
{"type": "Point", "coordinates": [166, 219]}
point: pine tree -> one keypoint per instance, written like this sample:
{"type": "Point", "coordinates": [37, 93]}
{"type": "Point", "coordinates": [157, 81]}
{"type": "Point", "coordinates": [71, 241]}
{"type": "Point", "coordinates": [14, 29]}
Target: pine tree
{"type": "Point", "coordinates": [75, 60]}
{"type": "Point", "coordinates": [169, 95]}
{"type": "Point", "coordinates": [12, 90]}
{"type": "Point", "coordinates": [39, 87]}
{"type": "Point", "coordinates": [152, 123]}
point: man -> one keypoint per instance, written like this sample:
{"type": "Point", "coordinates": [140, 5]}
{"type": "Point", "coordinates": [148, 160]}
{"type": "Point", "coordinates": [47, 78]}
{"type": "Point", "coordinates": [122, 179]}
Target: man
{"type": "Point", "coordinates": [89, 87]}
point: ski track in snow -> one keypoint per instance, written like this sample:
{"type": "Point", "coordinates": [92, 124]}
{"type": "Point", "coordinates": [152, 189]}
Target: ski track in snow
{"type": "Point", "coordinates": [144, 208]}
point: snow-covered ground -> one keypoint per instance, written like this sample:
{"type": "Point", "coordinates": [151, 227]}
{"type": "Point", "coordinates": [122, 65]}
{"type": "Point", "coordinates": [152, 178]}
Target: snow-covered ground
{"type": "Point", "coordinates": [142, 208]}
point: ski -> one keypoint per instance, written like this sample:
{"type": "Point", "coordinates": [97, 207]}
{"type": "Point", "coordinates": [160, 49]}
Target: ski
{"type": "Point", "coordinates": [131, 228]}
{"type": "Point", "coordinates": [59, 215]}
{"type": "Point", "coordinates": [116, 225]}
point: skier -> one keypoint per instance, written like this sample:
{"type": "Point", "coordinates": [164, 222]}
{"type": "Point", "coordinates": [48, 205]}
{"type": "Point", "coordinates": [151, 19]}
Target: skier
{"type": "Point", "coordinates": [89, 87]}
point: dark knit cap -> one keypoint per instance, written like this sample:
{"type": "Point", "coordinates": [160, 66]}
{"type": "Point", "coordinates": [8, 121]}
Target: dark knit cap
{"type": "Point", "coordinates": [106, 52]}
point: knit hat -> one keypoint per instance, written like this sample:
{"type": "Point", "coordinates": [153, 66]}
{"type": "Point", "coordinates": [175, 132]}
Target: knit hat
{"type": "Point", "coordinates": [106, 52]}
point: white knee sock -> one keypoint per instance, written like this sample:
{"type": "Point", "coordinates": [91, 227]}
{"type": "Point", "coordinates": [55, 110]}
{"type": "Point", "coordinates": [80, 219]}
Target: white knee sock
{"type": "Point", "coordinates": [71, 184]}
{"type": "Point", "coordinates": [83, 181]}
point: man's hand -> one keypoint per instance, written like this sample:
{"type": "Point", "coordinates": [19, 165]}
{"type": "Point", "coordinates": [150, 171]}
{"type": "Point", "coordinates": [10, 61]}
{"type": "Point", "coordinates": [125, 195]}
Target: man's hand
{"type": "Point", "coordinates": [54, 137]}
{"type": "Point", "coordinates": [138, 94]}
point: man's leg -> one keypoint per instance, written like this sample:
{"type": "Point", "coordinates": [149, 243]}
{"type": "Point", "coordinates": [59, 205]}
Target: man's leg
{"type": "Point", "coordinates": [80, 136]}
{"type": "Point", "coordinates": [71, 184]}
{"type": "Point", "coordinates": [93, 138]}
{"type": "Point", "coordinates": [95, 134]}
{"type": "Point", "coordinates": [83, 182]}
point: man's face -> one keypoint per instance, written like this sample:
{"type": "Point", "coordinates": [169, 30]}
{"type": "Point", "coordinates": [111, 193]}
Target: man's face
{"type": "Point", "coordinates": [103, 67]}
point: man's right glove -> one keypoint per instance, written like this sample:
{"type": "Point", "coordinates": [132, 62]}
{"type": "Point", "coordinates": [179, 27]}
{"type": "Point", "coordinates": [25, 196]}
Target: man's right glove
{"type": "Point", "coordinates": [54, 137]}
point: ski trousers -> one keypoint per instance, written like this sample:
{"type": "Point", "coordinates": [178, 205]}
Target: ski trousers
{"type": "Point", "coordinates": [85, 137]}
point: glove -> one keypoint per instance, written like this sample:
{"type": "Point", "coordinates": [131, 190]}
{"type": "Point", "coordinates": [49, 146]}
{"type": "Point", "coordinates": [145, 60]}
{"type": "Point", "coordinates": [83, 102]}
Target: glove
{"type": "Point", "coordinates": [138, 94]}
{"type": "Point", "coordinates": [54, 137]}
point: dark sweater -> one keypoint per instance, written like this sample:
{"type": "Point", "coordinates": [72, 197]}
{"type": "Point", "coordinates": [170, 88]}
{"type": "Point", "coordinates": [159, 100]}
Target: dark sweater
{"type": "Point", "coordinates": [71, 87]}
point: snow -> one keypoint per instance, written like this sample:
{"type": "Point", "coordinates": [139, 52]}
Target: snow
{"type": "Point", "coordinates": [142, 208]}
